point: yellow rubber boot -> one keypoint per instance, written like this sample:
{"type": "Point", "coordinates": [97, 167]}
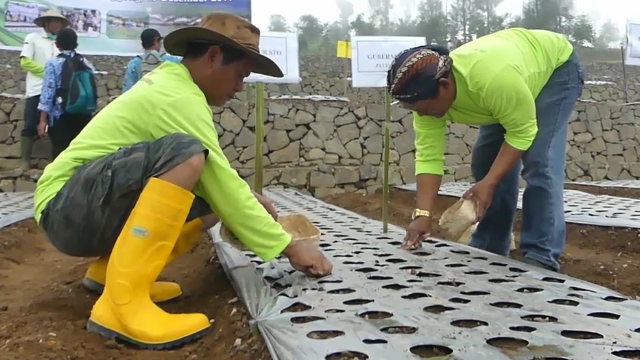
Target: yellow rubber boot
{"type": "Point", "coordinates": [161, 291]}
{"type": "Point", "coordinates": [190, 235]}
{"type": "Point", "coordinates": [125, 311]}
{"type": "Point", "coordinates": [96, 276]}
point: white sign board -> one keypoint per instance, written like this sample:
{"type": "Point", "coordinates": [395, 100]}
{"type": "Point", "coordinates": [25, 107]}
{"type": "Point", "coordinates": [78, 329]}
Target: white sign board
{"type": "Point", "coordinates": [283, 49]}
{"type": "Point", "coordinates": [632, 44]}
{"type": "Point", "coordinates": [371, 57]}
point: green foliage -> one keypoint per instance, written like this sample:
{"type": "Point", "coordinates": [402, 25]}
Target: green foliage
{"type": "Point", "coordinates": [582, 31]}
{"type": "Point", "coordinates": [463, 21]}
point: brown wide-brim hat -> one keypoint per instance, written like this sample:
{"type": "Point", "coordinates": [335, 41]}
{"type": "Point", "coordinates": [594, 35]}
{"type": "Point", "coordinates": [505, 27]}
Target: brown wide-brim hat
{"type": "Point", "coordinates": [50, 14]}
{"type": "Point", "coordinates": [225, 30]}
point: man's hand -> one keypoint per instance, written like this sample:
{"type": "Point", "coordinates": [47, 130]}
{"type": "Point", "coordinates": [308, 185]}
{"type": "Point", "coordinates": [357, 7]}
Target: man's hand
{"type": "Point", "coordinates": [267, 204]}
{"type": "Point", "coordinates": [482, 194]}
{"type": "Point", "coordinates": [42, 129]}
{"type": "Point", "coordinates": [308, 259]}
{"type": "Point", "coordinates": [417, 231]}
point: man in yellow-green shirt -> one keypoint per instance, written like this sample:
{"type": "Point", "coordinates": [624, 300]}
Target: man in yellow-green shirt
{"type": "Point", "coordinates": [520, 87]}
{"type": "Point", "coordinates": [38, 48]}
{"type": "Point", "coordinates": [146, 176]}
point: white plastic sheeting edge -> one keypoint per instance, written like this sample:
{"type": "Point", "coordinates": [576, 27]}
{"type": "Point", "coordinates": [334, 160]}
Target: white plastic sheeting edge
{"type": "Point", "coordinates": [15, 207]}
{"type": "Point", "coordinates": [632, 184]}
{"type": "Point", "coordinates": [580, 207]}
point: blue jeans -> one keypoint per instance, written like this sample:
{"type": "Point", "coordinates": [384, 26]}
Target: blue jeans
{"type": "Point", "coordinates": [543, 168]}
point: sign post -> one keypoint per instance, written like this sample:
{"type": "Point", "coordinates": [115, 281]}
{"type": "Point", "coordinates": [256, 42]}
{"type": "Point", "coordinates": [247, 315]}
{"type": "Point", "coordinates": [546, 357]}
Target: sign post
{"type": "Point", "coordinates": [257, 165]}
{"type": "Point", "coordinates": [344, 52]}
{"type": "Point", "coordinates": [282, 48]}
{"type": "Point", "coordinates": [371, 58]}
{"type": "Point", "coordinates": [386, 165]}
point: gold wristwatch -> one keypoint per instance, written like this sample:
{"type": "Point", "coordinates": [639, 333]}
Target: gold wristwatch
{"type": "Point", "coordinates": [417, 213]}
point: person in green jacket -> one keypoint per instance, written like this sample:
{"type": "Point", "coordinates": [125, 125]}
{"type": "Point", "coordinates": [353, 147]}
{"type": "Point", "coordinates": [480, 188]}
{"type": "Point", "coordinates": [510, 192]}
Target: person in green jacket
{"type": "Point", "coordinates": [142, 181]}
{"type": "Point", "coordinates": [520, 87]}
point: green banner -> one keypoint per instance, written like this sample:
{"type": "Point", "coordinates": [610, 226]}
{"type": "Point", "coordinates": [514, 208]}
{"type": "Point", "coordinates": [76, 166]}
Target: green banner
{"type": "Point", "coordinates": [110, 27]}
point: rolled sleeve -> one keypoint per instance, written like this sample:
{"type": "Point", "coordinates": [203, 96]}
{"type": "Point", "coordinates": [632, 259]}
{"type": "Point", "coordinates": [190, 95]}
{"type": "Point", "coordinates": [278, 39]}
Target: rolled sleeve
{"type": "Point", "coordinates": [28, 47]}
{"type": "Point", "coordinates": [430, 144]}
{"type": "Point", "coordinates": [131, 75]}
{"type": "Point", "coordinates": [229, 196]}
{"type": "Point", "coordinates": [510, 101]}
{"type": "Point", "coordinates": [47, 97]}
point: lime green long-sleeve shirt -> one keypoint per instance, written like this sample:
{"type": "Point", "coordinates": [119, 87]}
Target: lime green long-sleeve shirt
{"type": "Point", "coordinates": [169, 102]}
{"type": "Point", "coordinates": [498, 78]}
{"type": "Point", "coordinates": [31, 66]}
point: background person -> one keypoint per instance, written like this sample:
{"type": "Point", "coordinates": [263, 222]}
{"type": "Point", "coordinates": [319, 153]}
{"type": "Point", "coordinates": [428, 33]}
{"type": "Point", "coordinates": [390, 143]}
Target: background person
{"type": "Point", "coordinates": [151, 58]}
{"type": "Point", "coordinates": [520, 86]}
{"type": "Point", "coordinates": [38, 48]}
{"type": "Point", "coordinates": [64, 112]}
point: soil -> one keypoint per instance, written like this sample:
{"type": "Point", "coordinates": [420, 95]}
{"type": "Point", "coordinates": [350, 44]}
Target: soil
{"type": "Point", "coordinates": [43, 308]}
{"type": "Point", "coordinates": [602, 255]}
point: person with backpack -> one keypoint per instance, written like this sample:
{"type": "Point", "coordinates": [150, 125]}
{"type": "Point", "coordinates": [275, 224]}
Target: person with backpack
{"type": "Point", "coordinates": [69, 94]}
{"type": "Point", "coordinates": [39, 46]}
{"type": "Point", "coordinates": [152, 57]}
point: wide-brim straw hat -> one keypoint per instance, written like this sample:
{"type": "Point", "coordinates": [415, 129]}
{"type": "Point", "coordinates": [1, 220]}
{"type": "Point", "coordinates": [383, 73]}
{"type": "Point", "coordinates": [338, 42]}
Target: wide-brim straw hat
{"type": "Point", "coordinates": [50, 14]}
{"type": "Point", "coordinates": [225, 30]}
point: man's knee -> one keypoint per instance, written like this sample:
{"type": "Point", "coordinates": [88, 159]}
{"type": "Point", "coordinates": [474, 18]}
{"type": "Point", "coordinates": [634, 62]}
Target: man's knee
{"type": "Point", "coordinates": [180, 143]}
{"type": "Point", "coordinates": [194, 164]}
{"type": "Point", "coordinates": [178, 150]}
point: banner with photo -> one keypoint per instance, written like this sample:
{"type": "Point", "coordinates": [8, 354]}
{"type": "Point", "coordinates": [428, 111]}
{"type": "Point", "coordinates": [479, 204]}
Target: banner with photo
{"type": "Point", "coordinates": [110, 27]}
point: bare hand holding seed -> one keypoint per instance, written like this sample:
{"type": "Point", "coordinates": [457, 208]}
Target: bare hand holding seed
{"type": "Point", "coordinates": [417, 231]}
{"type": "Point", "coordinates": [308, 259]}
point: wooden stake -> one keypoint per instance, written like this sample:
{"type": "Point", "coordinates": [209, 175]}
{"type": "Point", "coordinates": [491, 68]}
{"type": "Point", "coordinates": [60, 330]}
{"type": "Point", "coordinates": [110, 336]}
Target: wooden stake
{"type": "Point", "coordinates": [258, 168]}
{"type": "Point", "coordinates": [387, 150]}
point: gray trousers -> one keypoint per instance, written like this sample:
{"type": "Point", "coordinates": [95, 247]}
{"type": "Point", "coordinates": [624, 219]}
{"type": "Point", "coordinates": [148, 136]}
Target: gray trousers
{"type": "Point", "coordinates": [86, 216]}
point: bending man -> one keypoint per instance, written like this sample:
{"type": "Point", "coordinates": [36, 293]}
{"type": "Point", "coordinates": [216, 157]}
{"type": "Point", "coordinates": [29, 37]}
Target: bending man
{"type": "Point", "coordinates": [520, 87]}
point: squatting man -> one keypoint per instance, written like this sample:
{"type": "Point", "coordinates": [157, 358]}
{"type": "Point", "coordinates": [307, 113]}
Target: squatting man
{"type": "Point", "coordinates": [140, 183]}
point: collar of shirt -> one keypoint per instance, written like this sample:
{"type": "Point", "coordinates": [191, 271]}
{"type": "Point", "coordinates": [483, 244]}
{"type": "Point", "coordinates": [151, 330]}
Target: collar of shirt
{"type": "Point", "coordinates": [45, 35]}
{"type": "Point", "coordinates": [154, 52]}
{"type": "Point", "coordinates": [68, 52]}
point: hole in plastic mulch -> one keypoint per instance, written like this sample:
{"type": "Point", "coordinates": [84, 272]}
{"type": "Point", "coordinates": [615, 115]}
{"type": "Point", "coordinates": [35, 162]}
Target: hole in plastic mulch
{"type": "Point", "coordinates": [430, 351]}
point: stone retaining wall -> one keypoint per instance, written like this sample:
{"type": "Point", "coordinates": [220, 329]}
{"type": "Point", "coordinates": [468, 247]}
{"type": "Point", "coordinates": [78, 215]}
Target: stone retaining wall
{"type": "Point", "coordinates": [321, 75]}
{"type": "Point", "coordinates": [329, 147]}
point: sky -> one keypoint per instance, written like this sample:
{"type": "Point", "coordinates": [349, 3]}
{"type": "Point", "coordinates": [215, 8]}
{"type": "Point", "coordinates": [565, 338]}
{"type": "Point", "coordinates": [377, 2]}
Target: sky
{"type": "Point", "coordinates": [598, 10]}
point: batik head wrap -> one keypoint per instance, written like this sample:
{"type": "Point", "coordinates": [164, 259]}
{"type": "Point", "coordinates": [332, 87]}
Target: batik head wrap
{"type": "Point", "coordinates": [414, 73]}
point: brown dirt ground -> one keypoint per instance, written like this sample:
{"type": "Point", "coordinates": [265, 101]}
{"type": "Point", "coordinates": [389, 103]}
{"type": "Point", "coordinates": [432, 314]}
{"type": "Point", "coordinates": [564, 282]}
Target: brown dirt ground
{"type": "Point", "coordinates": [43, 309]}
{"type": "Point", "coordinates": [602, 255]}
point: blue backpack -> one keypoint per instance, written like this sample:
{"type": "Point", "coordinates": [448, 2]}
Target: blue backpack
{"type": "Point", "coordinates": [78, 89]}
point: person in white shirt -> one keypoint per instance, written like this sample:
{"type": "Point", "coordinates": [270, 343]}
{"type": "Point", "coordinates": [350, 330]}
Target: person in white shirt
{"type": "Point", "coordinates": [38, 47]}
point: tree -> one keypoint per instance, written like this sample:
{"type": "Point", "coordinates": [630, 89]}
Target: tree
{"type": "Point", "coordinates": [310, 31]}
{"type": "Point", "coordinates": [582, 30]}
{"type": "Point", "coordinates": [363, 27]}
{"type": "Point", "coordinates": [461, 16]}
{"type": "Point", "coordinates": [486, 20]}
{"type": "Point", "coordinates": [381, 15]}
{"type": "Point", "coordinates": [406, 26]}
{"type": "Point", "coordinates": [608, 34]}
{"type": "Point", "coordinates": [554, 15]}
{"type": "Point", "coordinates": [346, 11]}
{"type": "Point", "coordinates": [278, 23]}
{"type": "Point", "coordinates": [432, 22]}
